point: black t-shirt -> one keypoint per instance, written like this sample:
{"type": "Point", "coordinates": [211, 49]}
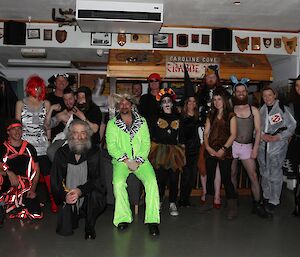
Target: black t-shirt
{"type": "Point", "coordinates": [165, 129]}
{"type": "Point", "coordinates": [297, 117]}
{"type": "Point", "coordinates": [94, 115]}
{"type": "Point", "coordinates": [19, 164]}
{"type": "Point", "coordinates": [53, 99]}
{"type": "Point", "coordinates": [189, 134]}
{"type": "Point", "coordinates": [149, 107]}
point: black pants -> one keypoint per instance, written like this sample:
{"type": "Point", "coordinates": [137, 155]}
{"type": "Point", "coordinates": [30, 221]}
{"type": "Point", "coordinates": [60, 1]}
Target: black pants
{"type": "Point", "coordinates": [225, 170]}
{"type": "Point", "coordinates": [45, 164]}
{"type": "Point", "coordinates": [188, 177]}
{"type": "Point", "coordinates": [163, 177]}
{"type": "Point", "coordinates": [68, 217]}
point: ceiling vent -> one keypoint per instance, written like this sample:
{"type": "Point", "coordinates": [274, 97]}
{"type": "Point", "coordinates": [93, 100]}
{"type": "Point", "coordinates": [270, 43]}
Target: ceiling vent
{"type": "Point", "coordinates": [119, 17]}
{"type": "Point", "coordinates": [33, 52]}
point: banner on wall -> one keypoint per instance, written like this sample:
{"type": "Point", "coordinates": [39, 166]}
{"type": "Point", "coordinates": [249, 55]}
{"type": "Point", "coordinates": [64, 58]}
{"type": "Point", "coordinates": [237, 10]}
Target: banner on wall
{"type": "Point", "coordinates": [196, 66]}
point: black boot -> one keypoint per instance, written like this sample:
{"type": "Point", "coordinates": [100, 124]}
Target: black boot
{"type": "Point", "coordinates": [297, 199]}
{"type": "Point", "coordinates": [259, 210]}
{"type": "Point", "coordinates": [2, 215]}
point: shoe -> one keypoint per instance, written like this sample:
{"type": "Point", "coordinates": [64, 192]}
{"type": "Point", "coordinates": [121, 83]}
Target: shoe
{"type": "Point", "coordinates": [160, 206]}
{"type": "Point", "coordinates": [217, 205]}
{"type": "Point", "coordinates": [270, 208]}
{"type": "Point", "coordinates": [259, 210]}
{"type": "Point", "coordinates": [208, 205]}
{"type": "Point", "coordinates": [90, 235]}
{"type": "Point", "coordinates": [153, 229]}
{"type": "Point", "coordinates": [173, 210]}
{"type": "Point", "coordinates": [123, 226]}
{"type": "Point", "coordinates": [232, 209]}
{"type": "Point", "coordinates": [2, 216]}
{"type": "Point", "coordinates": [183, 203]}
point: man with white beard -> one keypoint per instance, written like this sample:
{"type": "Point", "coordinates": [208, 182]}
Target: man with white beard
{"type": "Point", "coordinates": [77, 181]}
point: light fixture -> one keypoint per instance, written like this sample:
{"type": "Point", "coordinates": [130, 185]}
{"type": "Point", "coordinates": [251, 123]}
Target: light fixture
{"type": "Point", "coordinates": [33, 52]}
{"type": "Point", "coordinates": [38, 63]}
{"type": "Point", "coordinates": [237, 3]}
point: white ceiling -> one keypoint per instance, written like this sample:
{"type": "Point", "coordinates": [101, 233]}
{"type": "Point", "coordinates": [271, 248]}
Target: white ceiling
{"type": "Point", "coordinates": [277, 15]}
{"type": "Point", "coordinates": [280, 15]}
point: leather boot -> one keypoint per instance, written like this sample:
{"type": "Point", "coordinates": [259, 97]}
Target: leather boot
{"type": "Point", "coordinates": [259, 210]}
{"type": "Point", "coordinates": [232, 208]}
{"type": "Point", "coordinates": [54, 207]}
{"type": "Point", "coordinates": [297, 199]}
{"type": "Point", "coordinates": [208, 205]}
{"type": "Point", "coordinates": [2, 215]}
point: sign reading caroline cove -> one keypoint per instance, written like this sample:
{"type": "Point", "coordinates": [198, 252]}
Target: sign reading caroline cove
{"type": "Point", "coordinates": [195, 65]}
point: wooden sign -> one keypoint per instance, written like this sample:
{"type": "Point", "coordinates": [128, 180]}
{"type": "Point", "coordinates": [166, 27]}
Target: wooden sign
{"type": "Point", "coordinates": [196, 65]}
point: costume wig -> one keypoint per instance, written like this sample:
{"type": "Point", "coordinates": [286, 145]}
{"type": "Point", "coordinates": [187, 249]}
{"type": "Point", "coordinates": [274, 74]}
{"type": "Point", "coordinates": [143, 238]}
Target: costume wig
{"type": "Point", "coordinates": [32, 84]}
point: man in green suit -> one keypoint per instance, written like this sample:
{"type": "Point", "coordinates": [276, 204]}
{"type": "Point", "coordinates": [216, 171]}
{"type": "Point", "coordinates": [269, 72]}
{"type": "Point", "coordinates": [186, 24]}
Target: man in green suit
{"type": "Point", "coordinates": [128, 142]}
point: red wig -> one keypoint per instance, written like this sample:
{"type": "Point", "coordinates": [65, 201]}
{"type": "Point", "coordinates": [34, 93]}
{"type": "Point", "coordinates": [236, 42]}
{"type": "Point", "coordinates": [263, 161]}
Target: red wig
{"type": "Point", "coordinates": [32, 84]}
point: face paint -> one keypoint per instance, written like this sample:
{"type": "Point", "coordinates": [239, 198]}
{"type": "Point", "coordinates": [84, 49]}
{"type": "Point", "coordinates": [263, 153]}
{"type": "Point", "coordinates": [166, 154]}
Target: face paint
{"type": "Point", "coordinates": [167, 104]}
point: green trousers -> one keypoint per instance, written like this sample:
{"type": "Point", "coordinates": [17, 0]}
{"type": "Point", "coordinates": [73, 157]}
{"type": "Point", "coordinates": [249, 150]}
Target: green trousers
{"type": "Point", "coordinates": [144, 173]}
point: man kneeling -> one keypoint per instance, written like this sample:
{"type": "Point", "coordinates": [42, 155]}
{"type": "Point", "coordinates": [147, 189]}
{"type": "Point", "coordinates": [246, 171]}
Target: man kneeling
{"type": "Point", "coordinates": [77, 181]}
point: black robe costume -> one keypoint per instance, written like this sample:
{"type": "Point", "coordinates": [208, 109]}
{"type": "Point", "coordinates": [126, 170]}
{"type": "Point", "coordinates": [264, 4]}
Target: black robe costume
{"type": "Point", "coordinates": [8, 100]}
{"type": "Point", "coordinates": [93, 190]}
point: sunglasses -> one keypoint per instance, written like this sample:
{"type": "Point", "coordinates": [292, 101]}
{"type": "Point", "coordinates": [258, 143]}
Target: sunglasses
{"type": "Point", "coordinates": [153, 80]}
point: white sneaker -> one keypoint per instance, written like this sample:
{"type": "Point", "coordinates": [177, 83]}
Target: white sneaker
{"type": "Point", "coordinates": [173, 210]}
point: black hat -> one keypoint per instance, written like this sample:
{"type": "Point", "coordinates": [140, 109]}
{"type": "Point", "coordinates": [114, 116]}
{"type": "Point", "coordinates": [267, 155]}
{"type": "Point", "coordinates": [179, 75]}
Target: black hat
{"type": "Point", "coordinates": [70, 78]}
{"type": "Point", "coordinates": [294, 79]}
{"type": "Point", "coordinates": [188, 85]}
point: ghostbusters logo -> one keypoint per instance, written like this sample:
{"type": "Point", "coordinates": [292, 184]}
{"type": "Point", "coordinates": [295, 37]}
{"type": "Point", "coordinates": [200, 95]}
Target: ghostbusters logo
{"type": "Point", "coordinates": [275, 118]}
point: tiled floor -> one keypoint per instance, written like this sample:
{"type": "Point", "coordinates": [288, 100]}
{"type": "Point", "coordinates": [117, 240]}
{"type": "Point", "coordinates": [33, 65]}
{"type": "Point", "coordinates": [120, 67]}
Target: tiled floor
{"type": "Point", "coordinates": [191, 234]}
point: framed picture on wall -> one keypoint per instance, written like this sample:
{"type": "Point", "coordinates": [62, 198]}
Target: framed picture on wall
{"type": "Point", "coordinates": [48, 34]}
{"type": "Point", "coordinates": [101, 39]}
{"type": "Point", "coordinates": [33, 33]}
{"type": "Point", "coordinates": [163, 40]}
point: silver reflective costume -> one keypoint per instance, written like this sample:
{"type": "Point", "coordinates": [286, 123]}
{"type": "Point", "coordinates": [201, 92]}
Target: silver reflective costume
{"type": "Point", "coordinates": [271, 155]}
{"type": "Point", "coordinates": [34, 130]}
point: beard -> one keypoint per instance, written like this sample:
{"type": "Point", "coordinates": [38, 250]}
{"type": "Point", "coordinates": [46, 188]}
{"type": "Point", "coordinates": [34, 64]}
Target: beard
{"type": "Point", "coordinates": [238, 101]}
{"type": "Point", "coordinates": [79, 147]}
{"type": "Point", "coordinates": [82, 106]}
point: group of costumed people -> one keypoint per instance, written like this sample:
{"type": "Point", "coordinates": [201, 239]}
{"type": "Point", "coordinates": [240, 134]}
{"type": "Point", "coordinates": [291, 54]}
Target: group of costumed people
{"type": "Point", "coordinates": [153, 141]}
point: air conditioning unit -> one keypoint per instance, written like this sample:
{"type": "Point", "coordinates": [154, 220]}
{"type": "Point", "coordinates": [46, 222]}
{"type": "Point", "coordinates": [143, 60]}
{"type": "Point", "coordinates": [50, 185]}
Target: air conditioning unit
{"type": "Point", "coordinates": [119, 17]}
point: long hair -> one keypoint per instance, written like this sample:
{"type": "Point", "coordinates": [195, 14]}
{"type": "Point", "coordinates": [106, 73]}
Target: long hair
{"type": "Point", "coordinates": [295, 97]}
{"type": "Point", "coordinates": [34, 82]}
{"type": "Point", "coordinates": [227, 109]}
{"type": "Point", "coordinates": [184, 111]}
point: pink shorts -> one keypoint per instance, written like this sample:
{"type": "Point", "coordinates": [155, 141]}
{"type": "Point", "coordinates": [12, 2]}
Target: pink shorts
{"type": "Point", "coordinates": [241, 151]}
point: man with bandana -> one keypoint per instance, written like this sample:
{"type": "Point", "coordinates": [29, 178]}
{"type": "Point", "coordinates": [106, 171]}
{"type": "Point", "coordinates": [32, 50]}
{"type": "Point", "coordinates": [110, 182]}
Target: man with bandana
{"type": "Point", "coordinates": [248, 120]}
{"type": "Point", "coordinates": [77, 181]}
{"type": "Point", "coordinates": [128, 142]}
{"type": "Point", "coordinates": [19, 175]}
